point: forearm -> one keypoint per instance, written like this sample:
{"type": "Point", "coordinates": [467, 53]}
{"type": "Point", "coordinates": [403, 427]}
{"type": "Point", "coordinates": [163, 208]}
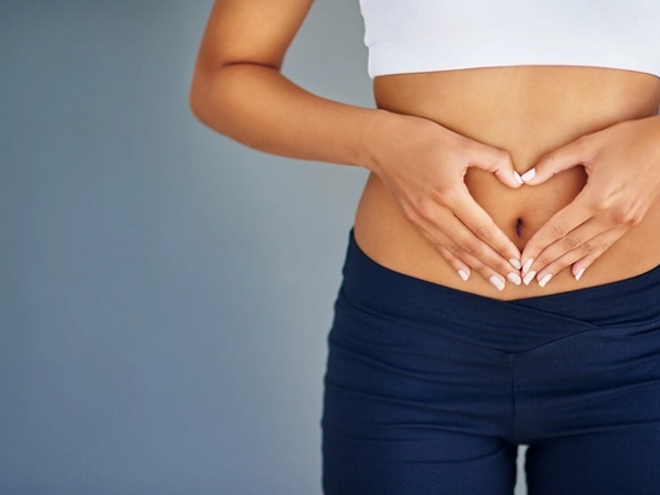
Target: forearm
{"type": "Point", "coordinates": [259, 107]}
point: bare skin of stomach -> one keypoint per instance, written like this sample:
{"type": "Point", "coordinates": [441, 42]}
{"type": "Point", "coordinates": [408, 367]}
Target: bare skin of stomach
{"type": "Point", "coordinates": [529, 111]}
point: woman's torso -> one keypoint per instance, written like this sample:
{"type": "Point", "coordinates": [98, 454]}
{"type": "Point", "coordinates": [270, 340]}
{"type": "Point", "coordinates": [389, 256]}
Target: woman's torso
{"type": "Point", "coordinates": [527, 110]}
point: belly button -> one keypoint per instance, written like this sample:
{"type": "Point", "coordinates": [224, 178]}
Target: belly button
{"type": "Point", "coordinates": [519, 224]}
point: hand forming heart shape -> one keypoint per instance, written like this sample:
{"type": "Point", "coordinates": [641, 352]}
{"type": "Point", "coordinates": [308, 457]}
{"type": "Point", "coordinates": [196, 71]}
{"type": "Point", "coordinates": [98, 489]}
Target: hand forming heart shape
{"type": "Point", "coordinates": [622, 162]}
{"type": "Point", "coordinates": [430, 191]}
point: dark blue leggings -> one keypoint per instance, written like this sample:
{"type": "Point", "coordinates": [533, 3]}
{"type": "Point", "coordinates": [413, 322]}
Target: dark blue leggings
{"type": "Point", "coordinates": [430, 390]}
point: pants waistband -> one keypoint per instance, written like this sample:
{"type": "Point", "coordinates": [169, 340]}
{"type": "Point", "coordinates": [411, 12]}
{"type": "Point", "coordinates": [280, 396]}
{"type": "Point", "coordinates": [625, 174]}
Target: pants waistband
{"type": "Point", "coordinates": [633, 302]}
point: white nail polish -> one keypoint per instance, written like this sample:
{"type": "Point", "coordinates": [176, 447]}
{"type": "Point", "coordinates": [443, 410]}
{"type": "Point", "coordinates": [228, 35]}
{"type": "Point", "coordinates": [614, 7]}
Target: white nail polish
{"type": "Point", "coordinates": [528, 175]}
{"type": "Point", "coordinates": [463, 275]}
{"type": "Point", "coordinates": [579, 274]}
{"type": "Point", "coordinates": [514, 277]}
{"type": "Point", "coordinates": [527, 265]}
{"type": "Point", "coordinates": [516, 176]}
{"type": "Point", "coordinates": [546, 278]}
{"type": "Point", "coordinates": [515, 263]}
{"type": "Point", "coordinates": [528, 278]}
{"type": "Point", "coordinates": [497, 282]}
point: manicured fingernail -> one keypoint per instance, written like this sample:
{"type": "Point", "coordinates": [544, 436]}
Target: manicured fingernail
{"type": "Point", "coordinates": [527, 264]}
{"type": "Point", "coordinates": [545, 279]}
{"type": "Point", "coordinates": [528, 278]}
{"type": "Point", "coordinates": [497, 282]}
{"type": "Point", "coordinates": [528, 175]}
{"type": "Point", "coordinates": [463, 275]}
{"type": "Point", "coordinates": [515, 263]}
{"type": "Point", "coordinates": [516, 176]}
{"type": "Point", "coordinates": [514, 277]}
{"type": "Point", "coordinates": [579, 274]}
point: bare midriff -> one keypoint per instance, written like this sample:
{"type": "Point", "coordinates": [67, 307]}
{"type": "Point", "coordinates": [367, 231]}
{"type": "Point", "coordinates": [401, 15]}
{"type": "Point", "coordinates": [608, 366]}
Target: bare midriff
{"type": "Point", "coordinates": [529, 111]}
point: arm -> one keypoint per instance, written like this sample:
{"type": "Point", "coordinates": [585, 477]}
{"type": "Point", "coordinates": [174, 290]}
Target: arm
{"type": "Point", "coordinates": [238, 90]}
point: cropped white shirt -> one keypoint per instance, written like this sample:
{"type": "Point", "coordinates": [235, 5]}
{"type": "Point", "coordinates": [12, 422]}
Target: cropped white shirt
{"type": "Point", "coordinates": [430, 35]}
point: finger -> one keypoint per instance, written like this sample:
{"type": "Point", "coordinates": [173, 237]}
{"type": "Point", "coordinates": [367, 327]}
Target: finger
{"type": "Point", "coordinates": [574, 153]}
{"type": "Point", "coordinates": [462, 243]}
{"type": "Point", "coordinates": [581, 265]}
{"type": "Point", "coordinates": [496, 161]}
{"type": "Point", "coordinates": [468, 211]}
{"type": "Point", "coordinates": [576, 238]}
{"type": "Point", "coordinates": [446, 247]}
{"type": "Point", "coordinates": [561, 223]}
{"type": "Point", "coordinates": [587, 253]}
{"type": "Point", "coordinates": [459, 266]}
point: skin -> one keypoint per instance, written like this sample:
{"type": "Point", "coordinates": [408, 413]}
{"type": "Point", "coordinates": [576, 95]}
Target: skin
{"type": "Point", "coordinates": [456, 137]}
{"type": "Point", "coordinates": [530, 111]}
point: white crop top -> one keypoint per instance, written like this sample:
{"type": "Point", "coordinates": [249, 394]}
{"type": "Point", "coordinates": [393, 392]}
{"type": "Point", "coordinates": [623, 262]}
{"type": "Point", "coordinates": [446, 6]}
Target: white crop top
{"type": "Point", "coordinates": [430, 35]}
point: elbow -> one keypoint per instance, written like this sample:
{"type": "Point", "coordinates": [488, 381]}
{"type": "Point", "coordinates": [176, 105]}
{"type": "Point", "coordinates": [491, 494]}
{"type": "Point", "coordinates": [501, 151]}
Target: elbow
{"type": "Point", "coordinates": [198, 97]}
{"type": "Point", "coordinates": [206, 98]}
{"type": "Point", "coordinates": [195, 99]}
{"type": "Point", "coordinates": [204, 81]}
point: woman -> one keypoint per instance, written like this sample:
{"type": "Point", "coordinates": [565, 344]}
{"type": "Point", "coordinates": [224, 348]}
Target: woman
{"type": "Point", "coordinates": [502, 278]}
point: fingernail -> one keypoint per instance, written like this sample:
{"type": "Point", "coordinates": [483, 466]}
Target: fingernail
{"type": "Point", "coordinates": [546, 278]}
{"type": "Point", "coordinates": [516, 176]}
{"type": "Point", "coordinates": [497, 282]}
{"type": "Point", "coordinates": [528, 175]}
{"type": "Point", "coordinates": [463, 275]}
{"type": "Point", "coordinates": [514, 277]}
{"type": "Point", "coordinates": [527, 264]}
{"type": "Point", "coordinates": [579, 274]}
{"type": "Point", "coordinates": [515, 263]}
{"type": "Point", "coordinates": [528, 278]}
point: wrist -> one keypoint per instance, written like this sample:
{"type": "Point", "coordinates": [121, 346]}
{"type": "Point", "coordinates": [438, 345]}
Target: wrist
{"type": "Point", "coordinates": [651, 127]}
{"type": "Point", "coordinates": [374, 138]}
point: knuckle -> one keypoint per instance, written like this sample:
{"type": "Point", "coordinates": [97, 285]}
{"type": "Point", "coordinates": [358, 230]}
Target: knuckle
{"type": "Point", "coordinates": [501, 266]}
{"type": "Point", "coordinates": [485, 233]}
{"type": "Point", "coordinates": [472, 246]}
{"type": "Point", "coordinates": [437, 246]}
{"type": "Point", "coordinates": [445, 195]}
{"type": "Point", "coordinates": [636, 219]}
{"type": "Point", "coordinates": [570, 242]}
{"type": "Point", "coordinates": [455, 249]}
{"type": "Point", "coordinates": [557, 230]}
{"type": "Point", "coordinates": [624, 215]}
{"type": "Point", "coordinates": [602, 203]}
{"type": "Point", "coordinates": [588, 247]}
{"type": "Point", "coordinates": [424, 209]}
{"type": "Point", "coordinates": [544, 260]}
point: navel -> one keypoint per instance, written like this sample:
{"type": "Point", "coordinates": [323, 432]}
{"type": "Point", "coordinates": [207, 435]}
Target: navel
{"type": "Point", "coordinates": [519, 224]}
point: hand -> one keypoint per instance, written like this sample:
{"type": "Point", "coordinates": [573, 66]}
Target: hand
{"type": "Point", "coordinates": [423, 164]}
{"type": "Point", "coordinates": [623, 167]}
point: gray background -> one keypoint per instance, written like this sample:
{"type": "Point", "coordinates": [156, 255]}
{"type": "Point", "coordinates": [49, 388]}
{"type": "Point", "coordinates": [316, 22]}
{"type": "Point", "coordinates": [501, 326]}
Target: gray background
{"type": "Point", "coordinates": [165, 292]}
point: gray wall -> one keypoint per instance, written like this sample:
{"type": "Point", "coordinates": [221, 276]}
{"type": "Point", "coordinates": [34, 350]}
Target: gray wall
{"type": "Point", "coordinates": [165, 292]}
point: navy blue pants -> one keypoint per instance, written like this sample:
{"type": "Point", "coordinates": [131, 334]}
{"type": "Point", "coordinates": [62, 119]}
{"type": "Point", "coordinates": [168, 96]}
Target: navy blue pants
{"type": "Point", "coordinates": [430, 390]}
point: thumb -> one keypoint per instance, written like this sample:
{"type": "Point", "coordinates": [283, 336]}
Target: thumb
{"type": "Point", "coordinates": [497, 161]}
{"type": "Point", "coordinates": [558, 160]}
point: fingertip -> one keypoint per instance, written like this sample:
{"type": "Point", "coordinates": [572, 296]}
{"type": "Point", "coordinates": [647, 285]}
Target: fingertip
{"type": "Point", "coordinates": [510, 178]}
{"type": "Point", "coordinates": [515, 263]}
{"type": "Point", "coordinates": [529, 175]}
{"type": "Point", "coordinates": [518, 178]}
{"type": "Point", "coordinates": [527, 265]}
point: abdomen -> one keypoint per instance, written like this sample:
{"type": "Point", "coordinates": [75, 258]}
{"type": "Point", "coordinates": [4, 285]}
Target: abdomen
{"type": "Point", "coordinates": [527, 110]}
